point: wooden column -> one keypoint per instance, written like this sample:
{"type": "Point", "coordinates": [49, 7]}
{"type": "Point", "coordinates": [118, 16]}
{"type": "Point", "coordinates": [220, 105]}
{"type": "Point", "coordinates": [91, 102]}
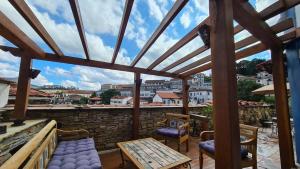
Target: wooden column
{"type": "Point", "coordinates": [136, 105]}
{"type": "Point", "coordinates": [224, 85]}
{"type": "Point", "coordinates": [282, 110]}
{"type": "Point", "coordinates": [23, 88]}
{"type": "Point", "coordinates": [185, 96]}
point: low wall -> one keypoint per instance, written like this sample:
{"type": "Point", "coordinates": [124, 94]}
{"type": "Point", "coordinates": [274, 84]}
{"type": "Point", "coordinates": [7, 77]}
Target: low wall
{"type": "Point", "coordinates": [111, 125]}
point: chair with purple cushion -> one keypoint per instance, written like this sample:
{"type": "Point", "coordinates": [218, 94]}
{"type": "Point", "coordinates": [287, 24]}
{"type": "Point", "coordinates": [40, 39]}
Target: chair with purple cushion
{"type": "Point", "coordinates": [248, 138]}
{"type": "Point", "coordinates": [175, 127]}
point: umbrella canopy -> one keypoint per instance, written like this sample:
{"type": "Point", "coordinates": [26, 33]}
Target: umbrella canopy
{"type": "Point", "coordinates": [269, 89]}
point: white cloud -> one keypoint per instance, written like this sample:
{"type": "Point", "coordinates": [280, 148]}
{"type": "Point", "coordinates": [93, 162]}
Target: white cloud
{"type": "Point", "coordinates": [41, 80]}
{"type": "Point", "coordinates": [202, 5]}
{"type": "Point", "coordinates": [69, 83]}
{"type": "Point", "coordinates": [8, 70]}
{"type": "Point", "coordinates": [157, 9]}
{"type": "Point", "coordinates": [185, 20]}
{"type": "Point", "coordinates": [8, 57]}
{"type": "Point", "coordinates": [57, 71]}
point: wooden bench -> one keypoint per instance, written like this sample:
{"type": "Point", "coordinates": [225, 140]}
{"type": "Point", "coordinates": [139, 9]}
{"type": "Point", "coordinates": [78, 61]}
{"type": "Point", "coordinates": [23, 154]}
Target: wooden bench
{"type": "Point", "coordinates": [54, 148]}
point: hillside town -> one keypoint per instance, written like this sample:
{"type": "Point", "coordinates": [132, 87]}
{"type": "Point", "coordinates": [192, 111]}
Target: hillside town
{"type": "Point", "coordinates": [153, 92]}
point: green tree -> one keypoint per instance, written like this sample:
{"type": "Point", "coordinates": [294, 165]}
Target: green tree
{"type": "Point", "coordinates": [248, 68]}
{"type": "Point", "coordinates": [93, 94]}
{"type": "Point", "coordinates": [108, 94]}
{"type": "Point", "coordinates": [245, 88]}
{"type": "Point", "coordinates": [83, 100]}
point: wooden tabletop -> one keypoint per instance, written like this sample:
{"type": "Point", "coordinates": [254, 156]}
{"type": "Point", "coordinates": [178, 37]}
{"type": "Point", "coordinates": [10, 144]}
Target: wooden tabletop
{"type": "Point", "coordinates": [149, 153]}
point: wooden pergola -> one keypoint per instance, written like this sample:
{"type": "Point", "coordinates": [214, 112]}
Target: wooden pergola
{"type": "Point", "coordinates": [217, 32]}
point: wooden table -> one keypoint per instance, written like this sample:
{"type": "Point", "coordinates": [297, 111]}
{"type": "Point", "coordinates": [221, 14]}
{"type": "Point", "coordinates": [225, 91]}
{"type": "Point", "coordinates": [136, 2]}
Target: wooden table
{"type": "Point", "coordinates": [149, 153]}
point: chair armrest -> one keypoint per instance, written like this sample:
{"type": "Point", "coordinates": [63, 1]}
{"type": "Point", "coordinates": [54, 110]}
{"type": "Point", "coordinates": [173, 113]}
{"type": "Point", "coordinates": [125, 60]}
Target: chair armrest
{"type": "Point", "coordinates": [183, 126]}
{"type": "Point", "coordinates": [248, 142]}
{"type": "Point", "coordinates": [206, 134]}
{"type": "Point", "coordinates": [72, 134]}
{"type": "Point", "coordinates": [162, 123]}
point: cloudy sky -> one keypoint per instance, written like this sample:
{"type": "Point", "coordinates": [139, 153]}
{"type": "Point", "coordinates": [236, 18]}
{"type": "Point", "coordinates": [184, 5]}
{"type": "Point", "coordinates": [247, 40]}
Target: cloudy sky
{"type": "Point", "coordinates": [102, 19]}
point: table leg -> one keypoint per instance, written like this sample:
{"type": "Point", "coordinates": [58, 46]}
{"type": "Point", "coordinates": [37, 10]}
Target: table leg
{"type": "Point", "coordinates": [123, 161]}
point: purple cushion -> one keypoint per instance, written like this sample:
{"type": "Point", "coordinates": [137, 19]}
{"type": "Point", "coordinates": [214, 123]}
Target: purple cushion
{"type": "Point", "coordinates": [74, 146]}
{"type": "Point", "coordinates": [81, 160]}
{"type": "Point", "coordinates": [209, 146]}
{"type": "Point", "coordinates": [170, 132]}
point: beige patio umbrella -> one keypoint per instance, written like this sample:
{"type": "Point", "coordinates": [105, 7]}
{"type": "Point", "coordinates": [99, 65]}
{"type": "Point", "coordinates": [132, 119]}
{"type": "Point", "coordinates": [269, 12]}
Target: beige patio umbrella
{"type": "Point", "coordinates": [268, 89]}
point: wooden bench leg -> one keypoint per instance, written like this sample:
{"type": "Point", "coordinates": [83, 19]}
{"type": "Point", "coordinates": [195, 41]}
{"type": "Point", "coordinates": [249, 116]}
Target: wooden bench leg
{"type": "Point", "coordinates": [178, 147]}
{"type": "Point", "coordinates": [187, 145]}
{"type": "Point", "coordinates": [200, 160]}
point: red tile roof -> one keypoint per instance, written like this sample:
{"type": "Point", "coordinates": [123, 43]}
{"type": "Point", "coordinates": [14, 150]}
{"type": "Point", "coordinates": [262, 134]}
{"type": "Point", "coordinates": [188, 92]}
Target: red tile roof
{"type": "Point", "coordinates": [119, 97]}
{"type": "Point", "coordinates": [168, 95]}
{"type": "Point", "coordinates": [32, 92]}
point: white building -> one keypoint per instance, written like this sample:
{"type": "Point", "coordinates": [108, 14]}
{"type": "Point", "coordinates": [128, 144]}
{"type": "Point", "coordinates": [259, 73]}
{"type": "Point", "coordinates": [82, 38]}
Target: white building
{"type": "Point", "coordinates": [264, 78]}
{"type": "Point", "coordinates": [198, 96]}
{"type": "Point", "coordinates": [120, 100]}
{"type": "Point", "coordinates": [167, 97]}
{"type": "Point", "coordinates": [4, 91]}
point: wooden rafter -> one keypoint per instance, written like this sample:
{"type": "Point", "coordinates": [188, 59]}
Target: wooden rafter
{"type": "Point", "coordinates": [179, 4]}
{"type": "Point", "coordinates": [279, 27]}
{"type": "Point", "coordinates": [243, 12]}
{"type": "Point", "coordinates": [187, 38]}
{"type": "Point", "coordinates": [265, 14]}
{"type": "Point", "coordinates": [91, 63]}
{"type": "Point", "coordinates": [79, 23]}
{"type": "Point", "coordinates": [126, 14]}
{"type": "Point", "coordinates": [15, 35]}
{"type": "Point", "coordinates": [29, 16]}
{"type": "Point", "coordinates": [246, 52]}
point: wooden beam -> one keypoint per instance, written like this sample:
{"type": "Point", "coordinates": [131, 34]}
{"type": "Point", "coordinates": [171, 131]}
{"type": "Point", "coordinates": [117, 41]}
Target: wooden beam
{"type": "Point", "coordinates": [23, 89]}
{"type": "Point", "coordinates": [185, 96]}
{"type": "Point", "coordinates": [243, 12]}
{"type": "Point", "coordinates": [246, 52]}
{"type": "Point", "coordinates": [282, 110]}
{"type": "Point", "coordinates": [15, 35]}
{"type": "Point", "coordinates": [279, 27]}
{"type": "Point", "coordinates": [29, 16]}
{"type": "Point", "coordinates": [126, 14]}
{"type": "Point", "coordinates": [92, 63]}
{"type": "Point", "coordinates": [136, 105]}
{"type": "Point", "coordinates": [225, 108]}
{"type": "Point", "coordinates": [277, 8]}
{"type": "Point", "coordinates": [187, 38]}
{"type": "Point", "coordinates": [179, 4]}
{"type": "Point", "coordinates": [79, 23]}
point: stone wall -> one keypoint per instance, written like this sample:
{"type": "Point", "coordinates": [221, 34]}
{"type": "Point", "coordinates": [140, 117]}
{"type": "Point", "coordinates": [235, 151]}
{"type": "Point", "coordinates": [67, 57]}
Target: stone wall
{"type": "Point", "coordinates": [106, 125]}
{"type": "Point", "coordinates": [111, 125]}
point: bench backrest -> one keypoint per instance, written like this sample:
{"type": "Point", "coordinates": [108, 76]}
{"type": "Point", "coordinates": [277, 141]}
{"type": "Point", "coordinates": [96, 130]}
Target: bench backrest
{"type": "Point", "coordinates": [177, 117]}
{"type": "Point", "coordinates": [250, 132]}
{"type": "Point", "coordinates": [36, 153]}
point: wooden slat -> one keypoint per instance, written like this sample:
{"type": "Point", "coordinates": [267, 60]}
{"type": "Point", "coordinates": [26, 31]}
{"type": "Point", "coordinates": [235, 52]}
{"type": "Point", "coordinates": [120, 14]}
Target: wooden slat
{"type": "Point", "coordinates": [179, 4]}
{"type": "Point", "coordinates": [185, 96]}
{"type": "Point", "coordinates": [243, 12]}
{"type": "Point", "coordinates": [247, 52]}
{"type": "Point", "coordinates": [91, 63]}
{"type": "Point", "coordinates": [20, 156]}
{"type": "Point", "coordinates": [277, 8]}
{"type": "Point", "coordinates": [282, 110]}
{"type": "Point", "coordinates": [187, 38]}
{"type": "Point", "coordinates": [136, 105]}
{"type": "Point", "coordinates": [279, 27]}
{"type": "Point", "coordinates": [23, 88]}
{"type": "Point", "coordinates": [79, 23]}
{"type": "Point", "coordinates": [29, 16]}
{"type": "Point", "coordinates": [225, 108]}
{"type": "Point", "coordinates": [126, 14]}
{"type": "Point", "coordinates": [15, 35]}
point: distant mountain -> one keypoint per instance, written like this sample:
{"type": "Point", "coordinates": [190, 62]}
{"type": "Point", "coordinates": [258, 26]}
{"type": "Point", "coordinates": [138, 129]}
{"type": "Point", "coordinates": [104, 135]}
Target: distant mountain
{"type": "Point", "coordinates": [15, 79]}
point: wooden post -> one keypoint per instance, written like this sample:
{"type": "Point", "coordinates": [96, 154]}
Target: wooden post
{"type": "Point", "coordinates": [136, 105]}
{"type": "Point", "coordinates": [282, 110]}
{"type": "Point", "coordinates": [225, 109]}
{"type": "Point", "coordinates": [185, 96]}
{"type": "Point", "coordinates": [23, 88]}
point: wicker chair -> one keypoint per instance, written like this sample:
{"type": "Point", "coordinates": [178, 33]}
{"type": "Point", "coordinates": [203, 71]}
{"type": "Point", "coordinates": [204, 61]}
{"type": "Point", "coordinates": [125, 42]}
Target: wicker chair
{"type": "Point", "coordinates": [248, 135]}
{"type": "Point", "coordinates": [175, 127]}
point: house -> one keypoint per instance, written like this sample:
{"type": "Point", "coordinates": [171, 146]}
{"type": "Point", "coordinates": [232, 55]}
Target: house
{"type": "Point", "coordinates": [154, 85]}
{"type": "Point", "coordinates": [167, 97]}
{"type": "Point", "coordinates": [200, 95]}
{"type": "Point", "coordinates": [95, 100]}
{"type": "Point", "coordinates": [35, 96]}
{"type": "Point", "coordinates": [264, 78]}
{"type": "Point", "coordinates": [243, 77]}
{"type": "Point", "coordinates": [4, 91]}
{"type": "Point", "coordinates": [120, 100]}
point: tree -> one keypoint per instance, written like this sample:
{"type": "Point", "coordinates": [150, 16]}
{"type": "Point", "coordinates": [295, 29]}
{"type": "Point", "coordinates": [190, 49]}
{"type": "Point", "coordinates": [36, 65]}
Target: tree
{"type": "Point", "coordinates": [245, 88]}
{"type": "Point", "coordinates": [248, 68]}
{"type": "Point", "coordinates": [108, 94]}
{"type": "Point", "coordinates": [83, 100]}
{"type": "Point", "coordinates": [93, 94]}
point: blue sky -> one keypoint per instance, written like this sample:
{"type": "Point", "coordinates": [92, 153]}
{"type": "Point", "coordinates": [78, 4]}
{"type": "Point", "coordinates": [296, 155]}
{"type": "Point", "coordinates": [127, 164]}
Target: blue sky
{"type": "Point", "coordinates": [101, 20]}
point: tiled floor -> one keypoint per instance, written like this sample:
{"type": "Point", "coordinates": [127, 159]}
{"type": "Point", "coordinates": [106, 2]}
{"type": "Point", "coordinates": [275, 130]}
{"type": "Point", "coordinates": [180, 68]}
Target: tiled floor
{"type": "Point", "coordinates": [268, 154]}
